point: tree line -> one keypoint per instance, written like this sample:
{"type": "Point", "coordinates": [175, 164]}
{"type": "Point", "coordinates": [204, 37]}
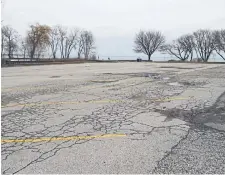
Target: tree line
{"type": "Point", "coordinates": [58, 41]}
{"type": "Point", "coordinates": [201, 44]}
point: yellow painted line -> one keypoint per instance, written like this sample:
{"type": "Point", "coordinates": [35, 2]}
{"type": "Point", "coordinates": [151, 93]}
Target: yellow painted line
{"type": "Point", "coordinates": [59, 102]}
{"type": "Point", "coordinates": [172, 99]}
{"type": "Point", "coordinates": [61, 138]}
{"type": "Point", "coordinates": [84, 102]}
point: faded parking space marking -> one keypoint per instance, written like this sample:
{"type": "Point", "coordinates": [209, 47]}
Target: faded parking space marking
{"type": "Point", "coordinates": [59, 102]}
{"type": "Point", "coordinates": [91, 101]}
{"type": "Point", "coordinates": [61, 138]}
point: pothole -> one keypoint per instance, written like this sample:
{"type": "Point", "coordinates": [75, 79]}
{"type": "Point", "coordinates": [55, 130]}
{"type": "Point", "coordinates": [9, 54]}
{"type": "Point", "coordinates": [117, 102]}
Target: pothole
{"type": "Point", "coordinates": [55, 76]}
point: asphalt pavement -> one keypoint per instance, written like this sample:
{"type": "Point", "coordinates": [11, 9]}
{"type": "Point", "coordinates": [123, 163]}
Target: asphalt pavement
{"type": "Point", "coordinates": [113, 118]}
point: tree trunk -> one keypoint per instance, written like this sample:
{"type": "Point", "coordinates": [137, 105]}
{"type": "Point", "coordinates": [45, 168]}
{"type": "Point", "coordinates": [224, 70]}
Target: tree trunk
{"type": "Point", "coordinates": [32, 54]}
{"type": "Point", "coordinates": [191, 57]}
{"type": "Point", "coordinates": [2, 47]}
{"type": "Point", "coordinates": [9, 52]}
{"type": "Point", "coordinates": [149, 57]}
{"type": "Point", "coordinates": [9, 55]}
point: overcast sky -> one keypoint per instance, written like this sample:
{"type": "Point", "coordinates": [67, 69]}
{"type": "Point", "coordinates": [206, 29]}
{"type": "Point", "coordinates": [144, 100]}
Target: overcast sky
{"type": "Point", "coordinates": [115, 22]}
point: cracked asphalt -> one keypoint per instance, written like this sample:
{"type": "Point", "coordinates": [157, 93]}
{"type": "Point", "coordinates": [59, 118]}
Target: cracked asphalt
{"type": "Point", "coordinates": [113, 118]}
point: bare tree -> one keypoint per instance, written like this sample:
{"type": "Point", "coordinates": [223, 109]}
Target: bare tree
{"type": "Point", "coordinates": [37, 39]}
{"type": "Point", "coordinates": [182, 48]}
{"type": "Point", "coordinates": [41, 51]}
{"type": "Point", "coordinates": [62, 35]}
{"type": "Point", "coordinates": [3, 42]}
{"type": "Point", "coordinates": [71, 42]}
{"type": "Point", "coordinates": [148, 42]}
{"type": "Point", "coordinates": [204, 44]}
{"type": "Point", "coordinates": [67, 41]}
{"type": "Point", "coordinates": [88, 42]}
{"type": "Point", "coordinates": [23, 47]}
{"type": "Point", "coordinates": [54, 39]}
{"type": "Point", "coordinates": [80, 45]}
{"type": "Point", "coordinates": [187, 42]}
{"type": "Point", "coordinates": [9, 40]}
{"type": "Point", "coordinates": [219, 42]}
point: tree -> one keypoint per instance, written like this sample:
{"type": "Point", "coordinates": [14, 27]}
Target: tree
{"type": "Point", "coordinates": [219, 42]}
{"type": "Point", "coordinates": [71, 42]}
{"type": "Point", "coordinates": [9, 40]}
{"type": "Point", "coordinates": [3, 42]}
{"type": "Point", "coordinates": [23, 47]}
{"type": "Point", "coordinates": [80, 45]}
{"type": "Point", "coordinates": [62, 36]}
{"type": "Point", "coordinates": [182, 48]}
{"type": "Point", "coordinates": [87, 42]}
{"type": "Point", "coordinates": [148, 42]}
{"type": "Point", "coordinates": [68, 41]}
{"type": "Point", "coordinates": [37, 39]}
{"type": "Point", "coordinates": [204, 44]}
{"type": "Point", "coordinates": [54, 39]}
{"type": "Point", "coordinates": [41, 51]}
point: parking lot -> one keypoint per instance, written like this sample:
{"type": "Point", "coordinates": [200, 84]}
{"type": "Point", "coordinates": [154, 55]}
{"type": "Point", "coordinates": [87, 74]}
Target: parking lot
{"type": "Point", "coordinates": [113, 118]}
